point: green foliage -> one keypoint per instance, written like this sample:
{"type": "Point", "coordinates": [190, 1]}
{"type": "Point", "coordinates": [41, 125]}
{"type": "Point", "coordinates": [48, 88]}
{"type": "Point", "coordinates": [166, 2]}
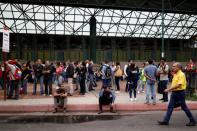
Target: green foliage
{"type": "Point", "coordinates": [192, 97]}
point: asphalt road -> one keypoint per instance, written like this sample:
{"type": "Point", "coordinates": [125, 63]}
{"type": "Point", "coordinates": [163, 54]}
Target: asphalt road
{"type": "Point", "coordinates": [145, 121]}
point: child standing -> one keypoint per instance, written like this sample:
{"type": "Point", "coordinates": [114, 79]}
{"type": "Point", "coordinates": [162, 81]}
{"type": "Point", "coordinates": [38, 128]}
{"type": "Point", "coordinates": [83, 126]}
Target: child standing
{"type": "Point", "coordinates": [142, 80]}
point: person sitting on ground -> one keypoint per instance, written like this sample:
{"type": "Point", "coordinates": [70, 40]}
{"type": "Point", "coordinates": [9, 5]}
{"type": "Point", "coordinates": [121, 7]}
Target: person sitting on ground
{"type": "Point", "coordinates": [106, 97]}
{"type": "Point", "coordinates": [60, 98]}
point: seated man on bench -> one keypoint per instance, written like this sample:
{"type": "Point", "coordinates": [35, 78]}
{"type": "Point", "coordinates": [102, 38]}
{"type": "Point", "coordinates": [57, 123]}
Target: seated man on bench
{"type": "Point", "coordinates": [60, 99]}
{"type": "Point", "coordinates": [106, 97]}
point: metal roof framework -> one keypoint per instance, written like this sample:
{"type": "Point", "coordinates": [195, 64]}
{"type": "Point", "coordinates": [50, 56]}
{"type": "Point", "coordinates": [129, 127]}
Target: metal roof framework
{"type": "Point", "coordinates": [67, 20]}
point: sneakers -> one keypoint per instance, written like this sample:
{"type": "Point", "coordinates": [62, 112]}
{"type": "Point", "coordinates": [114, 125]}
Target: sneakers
{"type": "Point", "coordinates": [117, 92]}
{"type": "Point", "coordinates": [131, 99]}
{"type": "Point", "coordinates": [163, 123]}
{"type": "Point", "coordinates": [147, 103]}
{"type": "Point", "coordinates": [100, 112]}
{"type": "Point", "coordinates": [111, 110]}
{"type": "Point", "coordinates": [64, 110]}
{"type": "Point", "coordinates": [166, 123]}
{"type": "Point", "coordinates": [191, 124]}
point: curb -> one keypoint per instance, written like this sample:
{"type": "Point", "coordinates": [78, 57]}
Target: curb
{"type": "Point", "coordinates": [88, 107]}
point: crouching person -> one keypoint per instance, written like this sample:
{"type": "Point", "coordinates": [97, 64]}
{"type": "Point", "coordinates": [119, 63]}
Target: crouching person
{"type": "Point", "coordinates": [106, 97]}
{"type": "Point", "coordinates": [60, 99]}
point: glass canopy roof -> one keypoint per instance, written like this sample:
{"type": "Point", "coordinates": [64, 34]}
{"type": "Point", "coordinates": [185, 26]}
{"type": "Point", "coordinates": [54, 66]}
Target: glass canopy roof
{"type": "Point", "coordinates": [43, 19]}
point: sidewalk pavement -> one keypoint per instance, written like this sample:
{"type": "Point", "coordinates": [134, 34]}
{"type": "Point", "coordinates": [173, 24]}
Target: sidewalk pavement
{"type": "Point", "coordinates": [79, 103]}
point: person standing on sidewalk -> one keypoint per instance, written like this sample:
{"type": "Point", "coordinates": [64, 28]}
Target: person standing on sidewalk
{"type": "Point", "coordinates": [14, 73]}
{"type": "Point", "coordinates": [150, 72]}
{"type": "Point", "coordinates": [38, 76]}
{"type": "Point", "coordinates": [70, 73]}
{"type": "Point", "coordinates": [142, 79]}
{"type": "Point", "coordinates": [26, 73]}
{"type": "Point", "coordinates": [82, 78]}
{"type": "Point", "coordinates": [133, 77]}
{"type": "Point", "coordinates": [90, 76]}
{"type": "Point", "coordinates": [125, 76]}
{"type": "Point", "coordinates": [163, 70]}
{"type": "Point", "coordinates": [47, 71]}
{"type": "Point", "coordinates": [106, 74]}
{"type": "Point", "coordinates": [113, 83]}
{"type": "Point", "coordinates": [177, 99]}
{"type": "Point", "coordinates": [118, 76]}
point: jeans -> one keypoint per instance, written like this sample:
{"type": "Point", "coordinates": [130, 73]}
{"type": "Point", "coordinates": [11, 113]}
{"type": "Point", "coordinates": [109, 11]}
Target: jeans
{"type": "Point", "coordinates": [54, 77]}
{"type": "Point", "coordinates": [126, 86]}
{"type": "Point", "coordinates": [24, 85]}
{"type": "Point", "coordinates": [113, 83]}
{"type": "Point", "coordinates": [70, 84]}
{"type": "Point", "coordinates": [14, 87]}
{"type": "Point", "coordinates": [107, 82]}
{"type": "Point", "coordinates": [90, 81]}
{"type": "Point", "coordinates": [48, 86]}
{"type": "Point", "coordinates": [141, 85]}
{"type": "Point", "coordinates": [8, 84]}
{"type": "Point", "coordinates": [163, 86]}
{"type": "Point", "coordinates": [117, 79]}
{"type": "Point", "coordinates": [150, 92]}
{"type": "Point", "coordinates": [82, 86]}
{"type": "Point", "coordinates": [1, 83]}
{"type": "Point", "coordinates": [60, 102]}
{"type": "Point", "coordinates": [41, 79]}
{"type": "Point", "coordinates": [178, 97]}
{"type": "Point", "coordinates": [132, 89]}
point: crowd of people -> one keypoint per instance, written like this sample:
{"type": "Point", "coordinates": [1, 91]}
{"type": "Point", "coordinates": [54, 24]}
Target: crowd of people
{"type": "Point", "coordinates": [82, 77]}
{"type": "Point", "coordinates": [85, 76]}
{"type": "Point", "coordinates": [46, 74]}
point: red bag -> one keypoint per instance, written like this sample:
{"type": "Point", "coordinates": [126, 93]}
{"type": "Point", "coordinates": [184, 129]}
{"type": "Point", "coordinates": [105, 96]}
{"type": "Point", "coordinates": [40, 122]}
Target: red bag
{"type": "Point", "coordinates": [1, 74]}
{"type": "Point", "coordinates": [17, 73]}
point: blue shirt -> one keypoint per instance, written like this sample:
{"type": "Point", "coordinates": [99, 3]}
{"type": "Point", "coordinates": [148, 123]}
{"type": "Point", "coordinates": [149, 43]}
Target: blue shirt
{"type": "Point", "coordinates": [103, 71]}
{"type": "Point", "coordinates": [151, 71]}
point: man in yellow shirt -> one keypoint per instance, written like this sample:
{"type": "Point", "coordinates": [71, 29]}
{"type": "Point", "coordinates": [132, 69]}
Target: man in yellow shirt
{"type": "Point", "coordinates": [177, 88]}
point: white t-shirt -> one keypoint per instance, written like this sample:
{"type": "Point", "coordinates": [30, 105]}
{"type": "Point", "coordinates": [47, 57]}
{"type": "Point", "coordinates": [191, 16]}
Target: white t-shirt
{"type": "Point", "coordinates": [125, 70]}
{"type": "Point", "coordinates": [12, 70]}
{"type": "Point", "coordinates": [161, 70]}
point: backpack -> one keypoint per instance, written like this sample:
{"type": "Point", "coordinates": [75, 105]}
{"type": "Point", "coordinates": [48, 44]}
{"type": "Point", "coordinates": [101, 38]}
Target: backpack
{"type": "Point", "coordinates": [108, 72]}
{"type": "Point", "coordinates": [17, 73]}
